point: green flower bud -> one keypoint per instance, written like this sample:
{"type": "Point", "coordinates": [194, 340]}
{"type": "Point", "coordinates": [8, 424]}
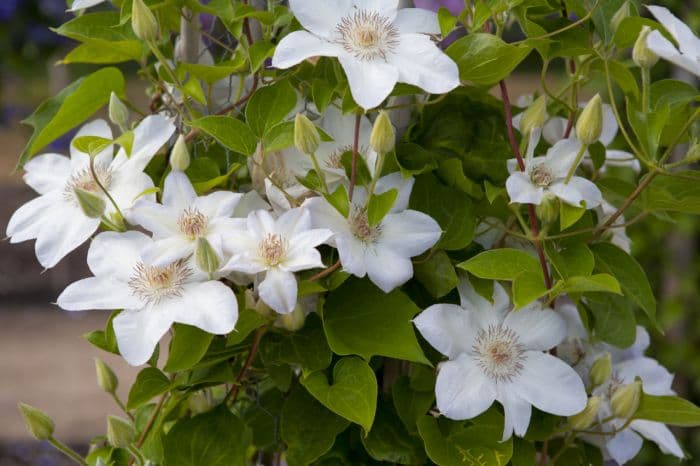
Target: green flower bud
{"type": "Point", "coordinates": [143, 21]}
{"type": "Point", "coordinates": [534, 117]}
{"type": "Point", "coordinates": [38, 422]}
{"type": "Point", "coordinates": [625, 399]}
{"type": "Point", "coordinates": [306, 137]}
{"type": "Point", "coordinates": [92, 205]}
{"type": "Point", "coordinates": [383, 137]}
{"type": "Point", "coordinates": [199, 403]}
{"type": "Point", "coordinates": [294, 320]}
{"type": "Point", "coordinates": [590, 124]}
{"type": "Point", "coordinates": [587, 417]}
{"type": "Point", "coordinates": [642, 55]}
{"type": "Point", "coordinates": [120, 432]}
{"type": "Point", "coordinates": [118, 112]}
{"type": "Point", "coordinates": [106, 378]}
{"type": "Point", "coordinates": [180, 155]}
{"type": "Point", "coordinates": [205, 256]}
{"type": "Point", "coordinates": [548, 210]}
{"type": "Point", "coordinates": [621, 14]}
{"type": "Point", "coordinates": [601, 370]}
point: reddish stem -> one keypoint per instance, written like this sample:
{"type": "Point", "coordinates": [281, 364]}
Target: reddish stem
{"type": "Point", "coordinates": [233, 394]}
{"type": "Point", "coordinates": [355, 150]}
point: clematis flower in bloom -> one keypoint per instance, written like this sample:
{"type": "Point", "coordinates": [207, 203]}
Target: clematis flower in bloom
{"type": "Point", "coordinates": [183, 218]}
{"type": "Point", "coordinates": [153, 297]}
{"type": "Point", "coordinates": [83, 4]}
{"type": "Point", "coordinates": [455, 6]}
{"type": "Point", "coordinates": [687, 54]}
{"type": "Point", "coordinates": [383, 251]}
{"type": "Point", "coordinates": [55, 219]}
{"type": "Point", "coordinates": [496, 354]}
{"type": "Point", "coordinates": [546, 175]}
{"type": "Point", "coordinates": [376, 44]}
{"type": "Point", "coordinates": [276, 248]}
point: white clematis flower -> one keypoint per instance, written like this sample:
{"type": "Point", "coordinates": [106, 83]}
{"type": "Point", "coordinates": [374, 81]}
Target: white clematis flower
{"type": "Point", "coordinates": [183, 218]}
{"type": "Point", "coordinates": [376, 44]}
{"type": "Point", "coordinates": [152, 297]}
{"type": "Point", "coordinates": [497, 354]}
{"type": "Point", "coordinates": [83, 4]}
{"type": "Point", "coordinates": [382, 251]}
{"type": "Point", "coordinates": [55, 219]}
{"type": "Point", "coordinates": [547, 176]}
{"type": "Point", "coordinates": [687, 54]}
{"type": "Point", "coordinates": [276, 248]}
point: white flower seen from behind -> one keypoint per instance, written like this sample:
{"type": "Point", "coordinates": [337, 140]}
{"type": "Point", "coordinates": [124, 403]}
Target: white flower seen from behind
{"type": "Point", "coordinates": [687, 54]}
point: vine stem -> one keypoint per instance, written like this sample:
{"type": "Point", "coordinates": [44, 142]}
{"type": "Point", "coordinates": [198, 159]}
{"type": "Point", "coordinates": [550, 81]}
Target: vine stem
{"type": "Point", "coordinates": [149, 424]}
{"type": "Point", "coordinates": [66, 450]}
{"type": "Point", "coordinates": [355, 150]}
{"type": "Point", "coordinates": [233, 394]}
{"type": "Point", "coordinates": [326, 272]}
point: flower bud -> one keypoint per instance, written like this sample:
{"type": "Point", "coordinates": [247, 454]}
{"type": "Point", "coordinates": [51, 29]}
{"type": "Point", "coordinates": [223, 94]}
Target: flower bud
{"type": "Point", "coordinates": [120, 432]}
{"type": "Point", "coordinates": [118, 112]}
{"type": "Point", "coordinates": [601, 370]}
{"type": "Point", "coordinates": [180, 155]}
{"type": "Point", "coordinates": [620, 15]}
{"type": "Point", "coordinates": [590, 124]}
{"type": "Point", "coordinates": [143, 21]}
{"type": "Point", "coordinates": [106, 378]}
{"type": "Point", "coordinates": [548, 210]}
{"type": "Point", "coordinates": [92, 205]}
{"type": "Point", "coordinates": [199, 403]}
{"type": "Point", "coordinates": [585, 418]}
{"type": "Point", "coordinates": [205, 256]}
{"type": "Point", "coordinates": [642, 55]}
{"type": "Point", "coordinates": [38, 422]}
{"type": "Point", "coordinates": [625, 399]}
{"type": "Point", "coordinates": [306, 137]}
{"type": "Point", "coordinates": [383, 138]}
{"type": "Point", "coordinates": [534, 116]}
{"type": "Point", "coordinates": [294, 320]}
{"type": "Point", "coordinates": [258, 305]}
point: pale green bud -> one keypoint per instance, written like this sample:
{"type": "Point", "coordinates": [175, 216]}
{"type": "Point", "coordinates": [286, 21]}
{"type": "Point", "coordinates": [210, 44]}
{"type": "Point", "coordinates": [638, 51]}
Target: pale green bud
{"type": "Point", "coordinates": [199, 403]}
{"type": "Point", "coordinates": [205, 256]}
{"type": "Point", "coordinates": [642, 55]}
{"type": "Point", "coordinates": [258, 305]}
{"type": "Point", "coordinates": [91, 204]}
{"type": "Point", "coordinates": [621, 14]}
{"type": "Point", "coordinates": [120, 432]}
{"type": "Point", "coordinates": [534, 116]}
{"type": "Point", "coordinates": [294, 320]}
{"type": "Point", "coordinates": [306, 137]}
{"type": "Point", "coordinates": [383, 137]}
{"type": "Point", "coordinates": [180, 155]}
{"type": "Point", "coordinates": [106, 378]}
{"type": "Point", "coordinates": [587, 417]}
{"type": "Point", "coordinates": [601, 370]}
{"type": "Point", "coordinates": [38, 422]}
{"type": "Point", "coordinates": [548, 209]}
{"type": "Point", "coordinates": [118, 112]}
{"type": "Point", "coordinates": [625, 399]}
{"type": "Point", "coordinates": [143, 21]}
{"type": "Point", "coordinates": [590, 124]}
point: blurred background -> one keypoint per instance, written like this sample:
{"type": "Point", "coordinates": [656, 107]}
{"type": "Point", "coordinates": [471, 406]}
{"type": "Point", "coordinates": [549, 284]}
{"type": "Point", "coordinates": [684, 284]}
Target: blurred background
{"type": "Point", "coordinates": [44, 361]}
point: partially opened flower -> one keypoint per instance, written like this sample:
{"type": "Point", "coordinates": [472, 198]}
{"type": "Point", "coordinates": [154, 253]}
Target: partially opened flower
{"type": "Point", "coordinates": [382, 251]}
{"type": "Point", "coordinates": [55, 219]}
{"type": "Point", "coordinates": [376, 44]}
{"type": "Point", "coordinates": [275, 249]}
{"type": "Point", "coordinates": [153, 297]}
{"type": "Point", "coordinates": [687, 54]}
{"type": "Point", "coordinates": [498, 354]}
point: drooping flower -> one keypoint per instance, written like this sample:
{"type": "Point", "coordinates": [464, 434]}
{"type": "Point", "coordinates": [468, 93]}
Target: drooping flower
{"type": "Point", "coordinates": [498, 354]}
{"type": "Point", "coordinates": [687, 54]}
{"type": "Point", "coordinates": [382, 251]}
{"type": "Point", "coordinates": [275, 249]}
{"type": "Point", "coordinates": [183, 218]}
{"type": "Point", "coordinates": [55, 218]}
{"type": "Point", "coordinates": [376, 44]}
{"type": "Point", "coordinates": [153, 297]}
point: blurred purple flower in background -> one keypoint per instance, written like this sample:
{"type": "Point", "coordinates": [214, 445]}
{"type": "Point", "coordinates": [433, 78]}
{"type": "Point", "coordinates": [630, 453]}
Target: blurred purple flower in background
{"type": "Point", "coordinates": [7, 9]}
{"type": "Point", "coordinates": [455, 6]}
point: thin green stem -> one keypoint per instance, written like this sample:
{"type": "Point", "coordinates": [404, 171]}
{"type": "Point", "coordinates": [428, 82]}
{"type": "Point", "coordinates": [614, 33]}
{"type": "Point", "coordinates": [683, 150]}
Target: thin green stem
{"type": "Point", "coordinates": [164, 63]}
{"type": "Point", "coordinates": [377, 173]}
{"type": "Point", "coordinates": [646, 87]}
{"type": "Point", "coordinates": [576, 163]}
{"type": "Point", "coordinates": [136, 454]}
{"type": "Point", "coordinates": [104, 190]}
{"type": "Point", "coordinates": [66, 450]}
{"type": "Point", "coordinates": [678, 137]}
{"type": "Point", "coordinates": [565, 28]}
{"type": "Point", "coordinates": [321, 177]}
{"type": "Point", "coordinates": [121, 405]}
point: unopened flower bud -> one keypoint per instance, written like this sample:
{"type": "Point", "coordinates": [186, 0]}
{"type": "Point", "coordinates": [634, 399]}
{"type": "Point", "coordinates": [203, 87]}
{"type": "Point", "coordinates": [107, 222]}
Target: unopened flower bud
{"type": "Point", "coordinates": [306, 137]}
{"type": "Point", "coordinates": [205, 256]}
{"type": "Point", "coordinates": [118, 112]}
{"type": "Point", "coordinates": [106, 378]}
{"type": "Point", "coordinates": [534, 116]}
{"type": "Point", "coordinates": [180, 155]}
{"type": "Point", "coordinates": [92, 205]}
{"type": "Point", "coordinates": [143, 21]}
{"type": "Point", "coordinates": [120, 432]}
{"type": "Point", "coordinates": [38, 422]}
{"type": "Point", "coordinates": [601, 370]}
{"type": "Point", "coordinates": [258, 305]}
{"type": "Point", "coordinates": [642, 55]}
{"type": "Point", "coordinates": [294, 320]}
{"type": "Point", "coordinates": [383, 137]}
{"type": "Point", "coordinates": [548, 210]}
{"type": "Point", "coordinates": [620, 15]}
{"type": "Point", "coordinates": [585, 418]}
{"type": "Point", "coordinates": [625, 399]}
{"type": "Point", "coordinates": [590, 124]}
{"type": "Point", "coordinates": [199, 403]}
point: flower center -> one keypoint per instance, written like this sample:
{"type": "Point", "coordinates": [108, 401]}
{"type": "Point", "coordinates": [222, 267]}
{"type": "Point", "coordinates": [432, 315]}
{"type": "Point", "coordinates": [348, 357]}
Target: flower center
{"type": "Point", "coordinates": [367, 35]}
{"type": "Point", "coordinates": [273, 249]}
{"type": "Point", "coordinates": [499, 353]}
{"type": "Point", "coordinates": [541, 175]}
{"type": "Point", "coordinates": [84, 180]}
{"type": "Point", "coordinates": [192, 223]}
{"type": "Point", "coordinates": [153, 284]}
{"type": "Point", "coordinates": [360, 227]}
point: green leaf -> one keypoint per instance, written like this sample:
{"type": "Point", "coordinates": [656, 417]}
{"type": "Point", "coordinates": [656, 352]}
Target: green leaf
{"type": "Point", "coordinates": [502, 264]}
{"type": "Point", "coordinates": [340, 201]}
{"type": "Point", "coordinates": [279, 137]}
{"type": "Point", "coordinates": [614, 320]}
{"type": "Point", "coordinates": [485, 59]}
{"type": "Point", "coordinates": [670, 410]}
{"type": "Point", "coordinates": [202, 187]}
{"type": "Point", "coordinates": [413, 160]}
{"type": "Point", "coordinates": [575, 260]}
{"type": "Point", "coordinates": [357, 316]}
{"type": "Point", "coordinates": [150, 382]}
{"type": "Point", "coordinates": [674, 194]}
{"type": "Point", "coordinates": [105, 339]}
{"type": "Point", "coordinates": [248, 320]}
{"type": "Point", "coordinates": [187, 347]}
{"type": "Point", "coordinates": [91, 145]}
{"type": "Point", "coordinates": [102, 52]}
{"type": "Point", "coordinates": [569, 215]}
{"type": "Point", "coordinates": [269, 106]}
{"type": "Point", "coordinates": [389, 441]}
{"type": "Point", "coordinates": [437, 274]}
{"type": "Point", "coordinates": [447, 21]}
{"type": "Point", "coordinates": [259, 52]}
{"type": "Point", "coordinates": [352, 393]}
{"type": "Point", "coordinates": [322, 93]}
{"type": "Point", "coordinates": [212, 73]}
{"type": "Point", "coordinates": [595, 283]}
{"type": "Point", "coordinates": [306, 347]}
{"type": "Point", "coordinates": [229, 132]}
{"type": "Point", "coordinates": [216, 438]}
{"type": "Point", "coordinates": [527, 287]}
{"type": "Point", "coordinates": [411, 404]}
{"type": "Point", "coordinates": [69, 108]}
{"type": "Point", "coordinates": [380, 205]}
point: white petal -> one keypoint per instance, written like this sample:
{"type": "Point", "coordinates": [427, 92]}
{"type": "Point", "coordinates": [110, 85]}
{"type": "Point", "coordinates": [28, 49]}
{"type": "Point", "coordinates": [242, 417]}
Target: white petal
{"type": "Point", "coordinates": [218, 204]}
{"type": "Point", "coordinates": [279, 290]}
{"type": "Point", "coordinates": [396, 181]}
{"type": "Point", "coordinates": [324, 215]}
{"type": "Point", "coordinates": [383, 7]}
{"type": "Point", "coordinates": [624, 446]}
{"type": "Point", "coordinates": [665, 49]}
{"type": "Point", "coordinates": [156, 218]}
{"type": "Point", "coordinates": [302, 253]}
{"type": "Point", "coordinates": [687, 41]}
{"type": "Point", "coordinates": [352, 254]}
{"type": "Point", "coordinates": [421, 63]}
{"type": "Point", "coordinates": [610, 125]}
{"type": "Point", "coordinates": [370, 82]}
{"type": "Point", "coordinates": [260, 224]}
{"type": "Point", "coordinates": [517, 413]}
{"type": "Point", "coordinates": [138, 332]}
{"type": "Point", "coordinates": [561, 157]}
{"type": "Point", "coordinates": [47, 172]}
{"type": "Point", "coordinates": [657, 380]}
{"type": "Point", "coordinates": [249, 202]}
{"type": "Point", "coordinates": [461, 390]}
{"type": "Point", "coordinates": [522, 190]}
{"type": "Point", "coordinates": [487, 314]}
{"type": "Point", "coordinates": [82, 4]}
{"type": "Point", "coordinates": [149, 136]}
{"type": "Point", "coordinates": [63, 230]}
{"type": "Point", "coordinates": [97, 293]}
{"type": "Point", "coordinates": [210, 306]}
{"type": "Point", "coordinates": [538, 329]}
{"type": "Point", "coordinates": [293, 222]}
{"type": "Point", "coordinates": [554, 129]}
{"type": "Point", "coordinates": [128, 186]}
{"type": "Point", "coordinates": [637, 350]}
{"type": "Point", "coordinates": [297, 46]}
{"type": "Point", "coordinates": [165, 251]}
{"type": "Point", "coordinates": [386, 268]}
{"type": "Point", "coordinates": [178, 192]}
{"type": "Point", "coordinates": [409, 233]}
{"type": "Point", "coordinates": [115, 255]}
{"type": "Point", "coordinates": [620, 158]}
{"type": "Point", "coordinates": [416, 20]}
{"type": "Point", "coordinates": [27, 221]}
{"type": "Point", "coordinates": [576, 190]}
{"type": "Point", "coordinates": [660, 435]}
{"type": "Point", "coordinates": [320, 16]}
{"type": "Point", "coordinates": [448, 328]}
